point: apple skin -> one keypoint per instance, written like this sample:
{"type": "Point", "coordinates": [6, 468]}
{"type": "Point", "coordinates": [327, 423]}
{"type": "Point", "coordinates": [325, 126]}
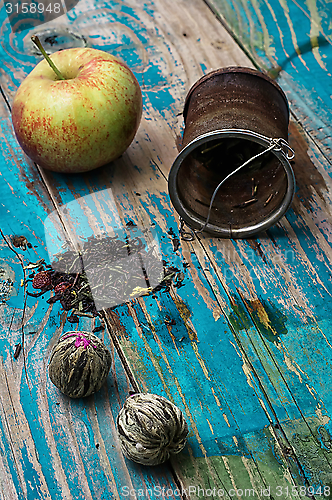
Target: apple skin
{"type": "Point", "coordinates": [80, 123]}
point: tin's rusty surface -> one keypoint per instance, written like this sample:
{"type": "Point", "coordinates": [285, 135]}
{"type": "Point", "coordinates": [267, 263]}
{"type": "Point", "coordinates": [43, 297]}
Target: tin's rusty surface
{"type": "Point", "coordinates": [235, 97]}
{"type": "Point", "coordinates": [244, 102]}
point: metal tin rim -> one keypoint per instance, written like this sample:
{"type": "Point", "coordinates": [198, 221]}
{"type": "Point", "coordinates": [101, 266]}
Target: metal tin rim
{"type": "Point", "coordinates": [247, 231]}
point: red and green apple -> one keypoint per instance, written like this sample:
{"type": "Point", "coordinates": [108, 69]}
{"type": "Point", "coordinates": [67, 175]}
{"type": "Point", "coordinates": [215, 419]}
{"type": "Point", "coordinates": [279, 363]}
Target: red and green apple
{"type": "Point", "coordinates": [79, 113]}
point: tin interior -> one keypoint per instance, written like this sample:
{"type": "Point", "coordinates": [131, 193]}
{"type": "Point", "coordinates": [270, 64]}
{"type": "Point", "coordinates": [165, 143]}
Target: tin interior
{"type": "Point", "coordinates": [247, 198]}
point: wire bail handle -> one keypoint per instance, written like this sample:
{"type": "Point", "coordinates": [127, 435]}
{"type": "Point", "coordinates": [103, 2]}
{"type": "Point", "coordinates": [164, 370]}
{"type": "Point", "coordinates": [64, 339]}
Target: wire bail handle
{"type": "Point", "coordinates": [277, 144]}
{"type": "Point", "coordinates": [282, 145]}
{"type": "Point", "coordinates": [186, 235]}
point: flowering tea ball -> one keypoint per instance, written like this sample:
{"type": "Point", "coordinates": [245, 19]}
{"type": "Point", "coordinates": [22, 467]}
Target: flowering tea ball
{"type": "Point", "coordinates": [79, 364]}
{"type": "Point", "coordinates": [151, 429]}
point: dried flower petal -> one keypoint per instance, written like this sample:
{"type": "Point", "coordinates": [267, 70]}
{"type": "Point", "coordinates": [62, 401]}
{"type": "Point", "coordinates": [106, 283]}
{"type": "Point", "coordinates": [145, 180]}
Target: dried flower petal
{"type": "Point", "coordinates": [61, 287]}
{"type": "Point", "coordinates": [42, 280]}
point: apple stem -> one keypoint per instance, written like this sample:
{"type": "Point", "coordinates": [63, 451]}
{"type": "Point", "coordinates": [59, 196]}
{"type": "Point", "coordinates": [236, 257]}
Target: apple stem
{"type": "Point", "coordinates": [36, 41]}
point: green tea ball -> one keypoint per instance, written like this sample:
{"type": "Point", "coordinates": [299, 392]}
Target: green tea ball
{"type": "Point", "coordinates": [151, 429]}
{"type": "Point", "coordinates": [79, 364]}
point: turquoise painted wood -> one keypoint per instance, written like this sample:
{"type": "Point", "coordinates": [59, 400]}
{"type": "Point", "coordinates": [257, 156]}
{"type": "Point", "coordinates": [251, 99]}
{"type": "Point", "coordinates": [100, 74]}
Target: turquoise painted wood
{"type": "Point", "coordinates": [241, 341]}
{"type": "Point", "coordinates": [51, 446]}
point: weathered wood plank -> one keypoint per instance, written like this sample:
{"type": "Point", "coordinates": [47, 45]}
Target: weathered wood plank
{"type": "Point", "coordinates": [51, 446]}
{"type": "Point", "coordinates": [240, 387]}
{"type": "Point", "coordinates": [294, 356]}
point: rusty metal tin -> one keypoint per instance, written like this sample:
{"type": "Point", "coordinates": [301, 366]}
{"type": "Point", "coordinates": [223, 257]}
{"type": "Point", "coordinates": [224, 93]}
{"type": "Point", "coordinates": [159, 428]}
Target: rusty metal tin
{"type": "Point", "coordinates": [232, 115]}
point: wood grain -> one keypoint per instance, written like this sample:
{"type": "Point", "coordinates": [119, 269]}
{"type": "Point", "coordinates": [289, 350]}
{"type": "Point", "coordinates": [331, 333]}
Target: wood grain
{"type": "Point", "coordinates": [51, 446]}
{"type": "Point", "coordinates": [248, 355]}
